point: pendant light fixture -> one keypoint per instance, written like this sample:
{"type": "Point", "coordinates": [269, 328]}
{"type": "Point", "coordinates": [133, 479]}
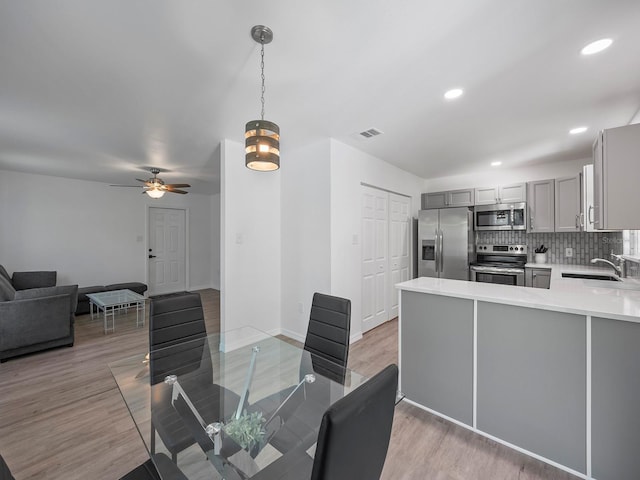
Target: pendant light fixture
{"type": "Point", "coordinates": [262, 137]}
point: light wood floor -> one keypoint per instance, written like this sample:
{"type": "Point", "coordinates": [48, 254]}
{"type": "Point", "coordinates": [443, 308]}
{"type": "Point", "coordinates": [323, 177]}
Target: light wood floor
{"type": "Point", "coordinates": [62, 417]}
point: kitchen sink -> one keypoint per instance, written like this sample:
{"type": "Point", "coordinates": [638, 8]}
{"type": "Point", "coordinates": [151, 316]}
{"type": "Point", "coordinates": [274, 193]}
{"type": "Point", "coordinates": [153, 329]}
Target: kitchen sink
{"type": "Point", "coordinates": [591, 276]}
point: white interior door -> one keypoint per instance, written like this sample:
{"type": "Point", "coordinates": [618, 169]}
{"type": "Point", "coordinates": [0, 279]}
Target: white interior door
{"type": "Point", "coordinates": [399, 247]}
{"type": "Point", "coordinates": [375, 257]}
{"type": "Point", "coordinates": [167, 250]}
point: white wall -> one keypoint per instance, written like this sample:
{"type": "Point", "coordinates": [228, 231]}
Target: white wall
{"type": "Point", "coordinates": [90, 233]}
{"type": "Point", "coordinates": [306, 234]}
{"type": "Point", "coordinates": [349, 169]}
{"type": "Point", "coordinates": [215, 241]}
{"type": "Point", "coordinates": [502, 176]}
{"type": "Point", "coordinates": [250, 244]}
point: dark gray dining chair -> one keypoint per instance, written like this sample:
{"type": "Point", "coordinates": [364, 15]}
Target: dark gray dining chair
{"type": "Point", "coordinates": [148, 470]}
{"type": "Point", "coordinates": [328, 335]}
{"type": "Point", "coordinates": [353, 439]}
{"type": "Point", "coordinates": [327, 342]}
{"type": "Point", "coordinates": [178, 346]}
{"type": "Point", "coordinates": [5, 473]}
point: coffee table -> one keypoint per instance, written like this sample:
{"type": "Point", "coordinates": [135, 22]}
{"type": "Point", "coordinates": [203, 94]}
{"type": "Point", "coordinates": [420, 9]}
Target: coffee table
{"type": "Point", "coordinates": [117, 300]}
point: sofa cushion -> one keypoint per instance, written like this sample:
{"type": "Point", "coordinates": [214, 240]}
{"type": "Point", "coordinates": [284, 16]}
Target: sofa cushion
{"type": "Point", "coordinates": [137, 287]}
{"type": "Point", "coordinates": [82, 292]}
{"type": "Point", "coordinates": [3, 273]}
{"type": "Point", "coordinates": [7, 292]}
{"type": "Point", "coordinates": [25, 280]}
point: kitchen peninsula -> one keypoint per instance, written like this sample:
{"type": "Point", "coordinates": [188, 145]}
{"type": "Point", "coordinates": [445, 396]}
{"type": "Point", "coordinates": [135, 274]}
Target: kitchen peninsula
{"type": "Point", "coordinates": [553, 373]}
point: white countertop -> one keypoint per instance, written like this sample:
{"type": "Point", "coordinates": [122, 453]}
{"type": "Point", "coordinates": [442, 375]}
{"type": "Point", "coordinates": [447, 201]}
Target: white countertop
{"type": "Point", "coordinates": [571, 295]}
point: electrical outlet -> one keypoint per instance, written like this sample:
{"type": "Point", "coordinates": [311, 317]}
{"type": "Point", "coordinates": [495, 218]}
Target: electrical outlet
{"type": "Point", "coordinates": [568, 252]}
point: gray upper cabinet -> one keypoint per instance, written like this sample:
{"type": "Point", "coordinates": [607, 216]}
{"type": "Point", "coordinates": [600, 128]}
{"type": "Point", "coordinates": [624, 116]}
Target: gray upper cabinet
{"type": "Point", "coordinates": [434, 200]}
{"type": "Point", "coordinates": [515, 193]}
{"type": "Point", "coordinates": [487, 195]}
{"type": "Point", "coordinates": [588, 214]}
{"type": "Point", "coordinates": [541, 204]}
{"type": "Point", "coordinates": [616, 172]}
{"type": "Point", "coordinates": [568, 200]}
{"type": "Point", "coordinates": [451, 198]}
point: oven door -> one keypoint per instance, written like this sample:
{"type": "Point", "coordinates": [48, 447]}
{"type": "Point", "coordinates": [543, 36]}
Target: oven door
{"type": "Point", "coordinates": [499, 275]}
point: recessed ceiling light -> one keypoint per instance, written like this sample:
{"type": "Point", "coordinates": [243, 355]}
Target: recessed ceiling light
{"type": "Point", "coordinates": [577, 130]}
{"type": "Point", "coordinates": [496, 163]}
{"type": "Point", "coordinates": [597, 46]}
{"type": "Point", "coordinates": [453, 93]}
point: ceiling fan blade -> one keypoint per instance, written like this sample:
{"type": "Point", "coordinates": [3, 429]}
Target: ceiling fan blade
{"type": "Point", "coordinates": [177, 185]}
{"type": "Point", "coordinates": [134, 186]}
{"type": "Point", "coordinates": [176, 191]}
{"type": "Point", "coordinates": [146, 182]}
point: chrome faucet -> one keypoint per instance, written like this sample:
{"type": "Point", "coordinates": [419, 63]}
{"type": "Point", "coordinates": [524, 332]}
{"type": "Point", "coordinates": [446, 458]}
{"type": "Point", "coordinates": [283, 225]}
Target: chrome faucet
{"type": "Point", "coordinates": [620, 270]}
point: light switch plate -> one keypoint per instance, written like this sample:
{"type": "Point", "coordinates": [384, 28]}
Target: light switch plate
{"type": "Point", "coordinates": [568, 252]}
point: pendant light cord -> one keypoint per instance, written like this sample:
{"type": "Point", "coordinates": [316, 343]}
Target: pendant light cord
{"type": "Point", "coordinates": [262, 75]}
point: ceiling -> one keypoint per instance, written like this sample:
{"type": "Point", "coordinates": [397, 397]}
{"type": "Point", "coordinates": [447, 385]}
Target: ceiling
{"type": "Point", "coordinates": [100, 90]}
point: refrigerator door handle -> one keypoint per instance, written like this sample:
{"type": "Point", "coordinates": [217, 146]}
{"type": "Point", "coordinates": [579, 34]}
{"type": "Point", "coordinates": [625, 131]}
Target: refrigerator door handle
{"type": "Point", "coordinates": [441, 252]}
{"type": "Point", "coordinates": [437, 262]}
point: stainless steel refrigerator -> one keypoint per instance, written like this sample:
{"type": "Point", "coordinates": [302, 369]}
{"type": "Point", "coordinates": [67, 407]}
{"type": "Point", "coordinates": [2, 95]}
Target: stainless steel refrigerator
{"type": "Point", "coordinates": [445, 243]}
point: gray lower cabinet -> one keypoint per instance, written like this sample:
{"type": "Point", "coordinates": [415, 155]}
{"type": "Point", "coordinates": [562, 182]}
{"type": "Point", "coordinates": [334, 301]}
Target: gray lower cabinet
{"type": "Point", "coordinates": [437, 353]}
{"type": "Point", "coordinates": [615, 388]}
{"type": "Point", "coordinates": [531, 380]}
{"type": "Point", "coordinates": [537, 277]}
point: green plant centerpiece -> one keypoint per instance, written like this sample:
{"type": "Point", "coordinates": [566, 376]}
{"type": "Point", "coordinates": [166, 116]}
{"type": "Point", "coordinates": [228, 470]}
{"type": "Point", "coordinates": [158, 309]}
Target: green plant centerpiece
{"type": "Point", "coordinates": [247, 430]}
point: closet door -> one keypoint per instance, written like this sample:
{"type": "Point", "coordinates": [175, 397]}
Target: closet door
{"type": "Point", "coordinates": [375, 257]}
{"type": "Point", "coordinates": [399, 247]}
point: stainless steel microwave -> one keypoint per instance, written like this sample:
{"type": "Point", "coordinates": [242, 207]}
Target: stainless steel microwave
{"type": "Point", "coordinates": [502, 216]}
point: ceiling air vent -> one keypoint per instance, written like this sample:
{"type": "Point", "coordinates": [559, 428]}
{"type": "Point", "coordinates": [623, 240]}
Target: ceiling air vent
{"type": "Point", "coordinates": [372, 132]}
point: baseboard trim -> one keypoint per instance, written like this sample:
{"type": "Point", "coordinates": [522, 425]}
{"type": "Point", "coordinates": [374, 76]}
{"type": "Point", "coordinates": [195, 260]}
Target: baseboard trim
{"type": "Point", "coordinates": [201, 287]}
{"type": "Point", "coordinates": [291, 334]}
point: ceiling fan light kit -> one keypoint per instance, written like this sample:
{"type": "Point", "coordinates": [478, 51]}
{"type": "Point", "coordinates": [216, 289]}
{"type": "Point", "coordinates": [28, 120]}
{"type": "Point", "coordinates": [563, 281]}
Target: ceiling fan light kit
{"type": "Point", "coordinates": [262, 137]}
{"type": "Point", "coordinates": [155, 192]}
{"type": "Point", "coordinates": [156, 188]}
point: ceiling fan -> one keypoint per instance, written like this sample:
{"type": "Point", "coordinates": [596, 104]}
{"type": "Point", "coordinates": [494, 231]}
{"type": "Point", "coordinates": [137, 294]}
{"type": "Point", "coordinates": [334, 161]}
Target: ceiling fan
{"type": "Point", "coordinates": [155, 186]}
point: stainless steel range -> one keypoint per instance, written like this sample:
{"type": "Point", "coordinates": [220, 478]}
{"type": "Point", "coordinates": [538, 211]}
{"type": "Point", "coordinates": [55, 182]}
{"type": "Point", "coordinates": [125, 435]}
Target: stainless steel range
{"type": "Point", "coordinates": [503, 264]}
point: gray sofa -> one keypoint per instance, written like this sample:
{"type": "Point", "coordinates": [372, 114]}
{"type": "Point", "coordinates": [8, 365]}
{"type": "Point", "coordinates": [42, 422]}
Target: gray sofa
{"type": "Point", "coordinates": [36, 318]}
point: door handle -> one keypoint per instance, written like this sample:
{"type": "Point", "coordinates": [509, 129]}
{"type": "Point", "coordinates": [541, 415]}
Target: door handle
{"type": "Point", "coordinates": [441, 252]}
{"type": "Point", "coordinates": [437, 248]}
{"type": "Point", "coordinates": [152, 256]}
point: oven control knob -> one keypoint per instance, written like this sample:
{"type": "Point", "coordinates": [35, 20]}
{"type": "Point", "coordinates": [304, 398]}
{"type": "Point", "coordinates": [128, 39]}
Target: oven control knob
{"type": "Point", "coordinates": [521, 248]}
{"type": "Point", "coordinates": [510, 248]}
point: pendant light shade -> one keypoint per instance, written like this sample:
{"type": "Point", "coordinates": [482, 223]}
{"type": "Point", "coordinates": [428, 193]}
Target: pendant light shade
{"type": "Point", "coordinates": [262, 145]}
{"type": "Point", "coordinates": [262, 137]}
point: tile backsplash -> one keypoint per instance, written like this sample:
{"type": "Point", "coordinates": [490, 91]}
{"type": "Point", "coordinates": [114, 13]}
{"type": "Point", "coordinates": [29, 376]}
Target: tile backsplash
{"type": "Point", "coordinates": [585, 245]}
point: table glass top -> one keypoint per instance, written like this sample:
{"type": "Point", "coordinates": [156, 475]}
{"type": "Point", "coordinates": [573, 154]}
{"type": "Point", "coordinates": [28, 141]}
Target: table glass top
{"type": "Point", "coordinates": [115, 297]}
{"type": "Point", "coordinates": [223, 401]}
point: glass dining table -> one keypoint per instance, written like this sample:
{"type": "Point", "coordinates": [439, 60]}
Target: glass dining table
{"type": "Point", "coordinates": [228, 405]}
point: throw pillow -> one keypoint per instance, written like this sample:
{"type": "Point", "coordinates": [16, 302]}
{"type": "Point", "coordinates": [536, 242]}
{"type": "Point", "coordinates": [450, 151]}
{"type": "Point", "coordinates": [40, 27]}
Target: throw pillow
{"type": "Point", "coordinates": [3, 273]}
{"type": "Point", "coordinates": [7, 292]}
